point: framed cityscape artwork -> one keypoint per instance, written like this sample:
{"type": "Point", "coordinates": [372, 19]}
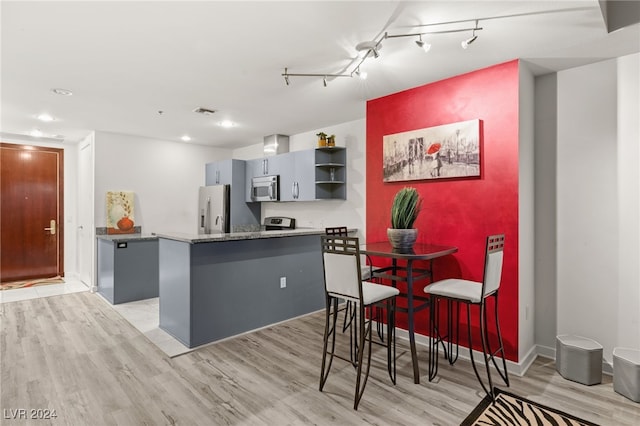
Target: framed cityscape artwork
{"type": "Point", "coordinates": [446, 151]}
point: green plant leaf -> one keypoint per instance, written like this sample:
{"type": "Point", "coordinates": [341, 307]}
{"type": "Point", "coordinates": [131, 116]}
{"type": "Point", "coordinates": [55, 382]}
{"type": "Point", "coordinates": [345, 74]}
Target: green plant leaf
{"type": "Point", "coordinates": [405, 208]}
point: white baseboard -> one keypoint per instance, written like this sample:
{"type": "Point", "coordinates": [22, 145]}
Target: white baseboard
{"type": "Point", "coordinates": [550, 353]}
{"type": "Point", "coordinates": [519, 368]}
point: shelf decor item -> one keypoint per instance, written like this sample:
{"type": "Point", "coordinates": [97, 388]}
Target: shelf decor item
{"type": "Point", "coordinates": [120, 218]}
{"type": "Point", "coordinates": [322, 139]}
{"type": "Point", "coordinates": [405, 209]}
{"type": "Point", "coordinates": [331, 140]}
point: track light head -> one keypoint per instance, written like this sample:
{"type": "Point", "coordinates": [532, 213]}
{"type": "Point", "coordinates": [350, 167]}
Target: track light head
{"type": "Point", "coordinates": [324, 81]}
{"type": "Point", "coordinates": [361, 74]}
{"type": "Point", "coordinates": [423, 44]}
{"type": "Point", "coordinates": [468, 41]}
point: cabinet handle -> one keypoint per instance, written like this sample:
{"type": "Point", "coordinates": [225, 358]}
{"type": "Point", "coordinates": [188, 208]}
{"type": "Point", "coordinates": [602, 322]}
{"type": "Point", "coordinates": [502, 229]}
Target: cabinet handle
{"type": "Point", "coordinates": [217, 176]}
{"type": "Point", "coordinates": [52, 227]}
{"type": "Point", "coordinates": [297, 186]}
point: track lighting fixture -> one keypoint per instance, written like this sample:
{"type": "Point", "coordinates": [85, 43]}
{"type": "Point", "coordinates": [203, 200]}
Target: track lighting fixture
{"type": "Point", "coordinates": [422, 44]}
{"type": "Point", "coordinates": [470, 40]}
{"type": "Point", "coordinates": [368, 49]}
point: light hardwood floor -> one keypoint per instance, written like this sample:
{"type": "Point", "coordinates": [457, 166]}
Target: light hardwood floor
{"type": "Point", "coordinates": [75, 354]}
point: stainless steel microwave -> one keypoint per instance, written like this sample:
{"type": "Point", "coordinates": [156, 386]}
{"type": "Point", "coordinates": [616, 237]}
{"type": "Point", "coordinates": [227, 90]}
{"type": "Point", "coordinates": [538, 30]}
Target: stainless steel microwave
{"type": "Point", "coordinates": [265, 188]}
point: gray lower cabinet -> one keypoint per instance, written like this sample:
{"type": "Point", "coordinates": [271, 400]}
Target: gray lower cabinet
{"type": "Point", "coordinates": [127, 269]}
{"type": "Point", "coordinates": [213, 290]}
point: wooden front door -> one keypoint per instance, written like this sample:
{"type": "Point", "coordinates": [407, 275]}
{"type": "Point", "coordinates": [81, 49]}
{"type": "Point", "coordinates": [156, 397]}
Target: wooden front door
{"type": "Point", "coordinates": [31, 226]}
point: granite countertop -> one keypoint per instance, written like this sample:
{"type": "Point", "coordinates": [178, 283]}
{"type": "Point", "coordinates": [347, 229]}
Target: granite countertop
{"type": "Point", "coordinates": [235, 236]}
{"type": "Point", "coordinates": [119, 238]}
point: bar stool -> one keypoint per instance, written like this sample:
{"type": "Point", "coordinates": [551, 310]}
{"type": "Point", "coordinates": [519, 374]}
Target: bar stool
{"type": "Point", "coordinates": [471, 293]}
{"type": "Point", "coordinates": [343, 280]}
{"type": "Point", "coordinates": [349, 309]}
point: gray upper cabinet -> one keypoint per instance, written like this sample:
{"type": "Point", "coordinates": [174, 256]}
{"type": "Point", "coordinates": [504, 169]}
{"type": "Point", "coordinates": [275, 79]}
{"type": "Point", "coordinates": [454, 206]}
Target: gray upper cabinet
{"type": "Point", "coordinates": [219, 173]}
{"type": "Point", "coordinates": [307, 175]}
{"type": "Point", "coordinates": [297, 182]}
{"type": "Point", "coordinates": [233, 172]}
{"type": "Point", "coordinates": [331, 173]}
{"type": "Point", "coordinates": [265, 166]}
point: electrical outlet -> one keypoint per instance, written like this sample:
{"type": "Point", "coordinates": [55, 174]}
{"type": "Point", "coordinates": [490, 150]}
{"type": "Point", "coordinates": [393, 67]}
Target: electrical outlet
{"type": "Point", "coordinates": [283, 282]}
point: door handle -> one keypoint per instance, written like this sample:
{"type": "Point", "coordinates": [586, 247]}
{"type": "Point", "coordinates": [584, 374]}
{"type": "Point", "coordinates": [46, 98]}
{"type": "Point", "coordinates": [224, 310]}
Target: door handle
{"type": "Point", "coordinates": [52, 227]}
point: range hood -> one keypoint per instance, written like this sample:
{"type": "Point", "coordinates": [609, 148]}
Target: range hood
{"type": "Point", "coordinates": [275, 144]}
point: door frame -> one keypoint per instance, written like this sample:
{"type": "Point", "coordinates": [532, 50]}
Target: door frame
{"type": "Point", "coordinates": [60, 195]}
{"type": "Point", "coordinates": [85, 232]}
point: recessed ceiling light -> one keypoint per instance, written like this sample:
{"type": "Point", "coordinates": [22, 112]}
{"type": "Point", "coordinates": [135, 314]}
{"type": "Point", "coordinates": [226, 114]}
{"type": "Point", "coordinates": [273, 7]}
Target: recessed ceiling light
{"type": "Point", "coordinates": [45, 117]}
{"type": "Point", "coordinates": [226, 123]}
{"type": "Point", "coordinates": [36, 133]}
{"type": "Point", "coordinates": [185, 138]}
{"type": "Point", "coordinates": [62, 92]}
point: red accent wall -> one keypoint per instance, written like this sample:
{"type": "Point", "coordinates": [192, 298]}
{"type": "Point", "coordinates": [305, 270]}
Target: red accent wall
{"type": "Point", "coordinates": [460, 212]}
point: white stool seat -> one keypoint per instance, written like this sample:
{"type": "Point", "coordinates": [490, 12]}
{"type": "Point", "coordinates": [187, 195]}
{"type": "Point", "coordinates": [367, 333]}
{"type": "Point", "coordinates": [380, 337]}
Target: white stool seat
{"type": "Point", "coordinates": [455, 288]}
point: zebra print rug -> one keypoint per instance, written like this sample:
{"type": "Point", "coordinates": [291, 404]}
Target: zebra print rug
{"type": "Point", "coordinates": [511, 409]}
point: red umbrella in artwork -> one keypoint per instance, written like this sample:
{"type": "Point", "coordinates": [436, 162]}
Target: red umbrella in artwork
{"type": "Point", "coordinates": [433, 148]}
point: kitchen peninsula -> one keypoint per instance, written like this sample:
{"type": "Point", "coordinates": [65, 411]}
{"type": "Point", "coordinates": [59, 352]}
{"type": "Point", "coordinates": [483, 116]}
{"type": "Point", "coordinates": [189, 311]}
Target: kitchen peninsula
{"type": "Point", "coordinates": [219, 285]}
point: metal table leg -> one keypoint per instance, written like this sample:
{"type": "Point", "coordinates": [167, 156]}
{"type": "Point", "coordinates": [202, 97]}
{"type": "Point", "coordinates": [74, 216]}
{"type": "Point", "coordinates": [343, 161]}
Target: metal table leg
{"type": "Point", "coordinates": [412, 339]}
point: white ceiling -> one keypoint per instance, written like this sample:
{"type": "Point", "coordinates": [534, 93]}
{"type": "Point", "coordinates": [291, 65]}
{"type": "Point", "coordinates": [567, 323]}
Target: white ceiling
{"type": "Point", "coordinates": [126, 61]}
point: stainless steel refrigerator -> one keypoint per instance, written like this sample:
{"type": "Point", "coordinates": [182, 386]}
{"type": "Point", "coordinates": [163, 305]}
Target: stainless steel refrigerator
{"type": "Point", "coordinates": [213, 209]}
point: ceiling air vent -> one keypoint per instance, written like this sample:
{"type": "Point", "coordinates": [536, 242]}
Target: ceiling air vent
{"type": "Point", "coordinates": [204, 111]}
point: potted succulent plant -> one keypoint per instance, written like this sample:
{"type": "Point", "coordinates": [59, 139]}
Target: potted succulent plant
{"type": "Point", "coordinates": [405, 209]}
{"type": "Point", "coordinates": [322, 139]}
{"type": "Point", "coordinates": [331, 140]}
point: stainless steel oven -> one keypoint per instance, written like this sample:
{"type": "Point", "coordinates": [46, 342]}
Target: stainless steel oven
{"type": "Point", "coordinates": [265, 188]}
{"type": "Point", "coordinates": [279, 223]}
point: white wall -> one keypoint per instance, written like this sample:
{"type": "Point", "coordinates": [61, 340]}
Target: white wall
{"type": "Point", "coordinates": [628, 106]}
{"type": "Point", "coordinates": [319, 214]}
{"type": "Point", "coordinates": [526, 216]}
{"type": "Point", "coordinates": [598, 286]}
{"type": "Point", "coordinates": [164, 175]}
{"type": "Point", "coordinates": [545, 159]}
